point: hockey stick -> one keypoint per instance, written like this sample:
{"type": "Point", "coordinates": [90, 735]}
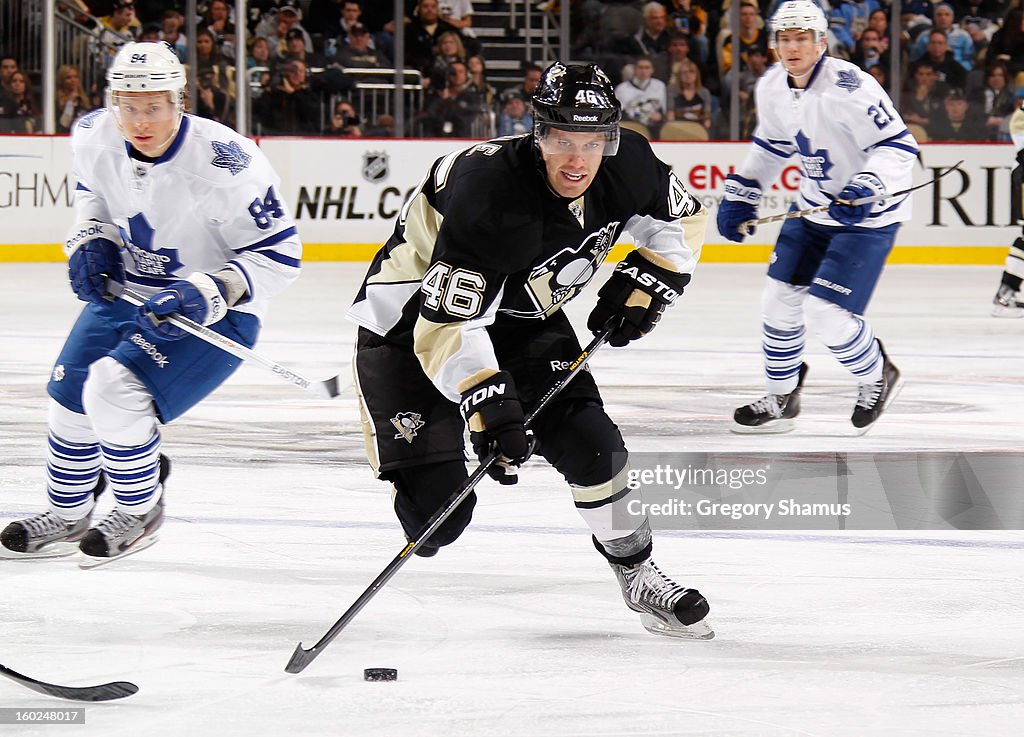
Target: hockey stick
{"type": "Point", "coordinates": [304, 656]}
{"type": "Point", "coordinates": [746, 228]}
{"type": "Point", "coordinates": [102, 692]}
{"type": "Point", "coordinates": [326, 389]}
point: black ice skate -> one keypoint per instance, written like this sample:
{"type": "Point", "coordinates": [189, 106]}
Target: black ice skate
{"type": "Point", "coordinates": [120, 534]}
{"type": "Point", "coordinates": [665, 607]}
{"type": "Point", "coordinates": [773, 413]}
{"type": "Point", "coordinates": [873, 398]}
{"type": "Point", "coordinates": [46, 535]}
{"type": "Point", "coordinates": [1007, 302]}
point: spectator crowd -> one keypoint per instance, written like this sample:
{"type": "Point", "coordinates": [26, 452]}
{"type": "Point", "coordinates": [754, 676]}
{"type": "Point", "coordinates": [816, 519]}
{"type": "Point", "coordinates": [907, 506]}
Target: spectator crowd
{"type": "Point", "coordinates": [962, 62]}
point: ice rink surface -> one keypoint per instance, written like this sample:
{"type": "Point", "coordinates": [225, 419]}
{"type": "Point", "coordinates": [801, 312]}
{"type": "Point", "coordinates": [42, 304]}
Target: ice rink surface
{"type": "Point", "coordinates": [275, 526]}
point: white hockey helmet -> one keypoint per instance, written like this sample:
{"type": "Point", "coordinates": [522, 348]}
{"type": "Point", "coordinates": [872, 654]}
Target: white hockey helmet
{"type": "Point", "coordinates": [800, 15]}
{"type": "Point", "coordinates": [148, 66]}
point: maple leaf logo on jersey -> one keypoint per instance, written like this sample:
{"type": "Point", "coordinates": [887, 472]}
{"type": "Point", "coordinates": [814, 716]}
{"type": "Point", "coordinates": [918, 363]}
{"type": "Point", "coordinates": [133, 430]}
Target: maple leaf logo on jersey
{"type": "Point", "coordinates": [816, 163]}
{"type": "Point", "coordinates": [848, 81]}
{"type": "Point", "coordinates": [230, 156]}
{"type": "Point", "coordinates": [87, 120]}
{"type": "Point", "coordinates": [148, 260]}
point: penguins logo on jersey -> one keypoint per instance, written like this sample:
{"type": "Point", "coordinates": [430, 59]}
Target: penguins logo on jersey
{"type": "Point", "coordinates": [407, 424]}
{"type": "Point", "coordinates": [561, 277]}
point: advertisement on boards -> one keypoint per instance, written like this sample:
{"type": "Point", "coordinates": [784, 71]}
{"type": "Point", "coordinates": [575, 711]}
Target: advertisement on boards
{"type": "Point", "coordinates": [346, 194]}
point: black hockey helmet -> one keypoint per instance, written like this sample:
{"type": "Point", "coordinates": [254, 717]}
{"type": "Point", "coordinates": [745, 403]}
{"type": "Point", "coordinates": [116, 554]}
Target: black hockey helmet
{"type": "Point", "coordinates": [577, 98]}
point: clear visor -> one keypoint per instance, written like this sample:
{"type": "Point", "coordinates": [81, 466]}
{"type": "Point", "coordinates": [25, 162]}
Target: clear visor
{"type": "Point", "coordinates": [556, 141]}
{"type": "Point", "coordinates": [145, 107]}
{"type": "Point", "coordinates": [813, 38]}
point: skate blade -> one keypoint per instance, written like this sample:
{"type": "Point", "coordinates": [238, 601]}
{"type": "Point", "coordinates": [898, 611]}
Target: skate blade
{"type": "Point", "coordinates": [885, 408]}
{"type": "Point", "coordinates": [53, 550]}
{"type": "Point", "coordinates": [89, 562]}
{"type": "Point", "coordinates": [1010, 312]}
{"type": "Point", "coordinates": [697, 631]}
{"type": "Point", "coordinates": [775, 427]}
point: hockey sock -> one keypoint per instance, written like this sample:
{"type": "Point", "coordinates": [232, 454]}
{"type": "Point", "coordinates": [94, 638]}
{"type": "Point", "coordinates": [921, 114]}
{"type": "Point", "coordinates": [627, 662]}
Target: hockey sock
{"type": "Point", "coordinates": [134, 474]}
{"type": "Point", "coordinates": [783, 355]}
{"type": "Point", "coordinates": [634, 548]}
{"type": "Point", "coordinates": [72, 473]}
{"type": "Point", "coordinates": [1014, 270]}
{"type": "Point", "coordinates": [861, 354]}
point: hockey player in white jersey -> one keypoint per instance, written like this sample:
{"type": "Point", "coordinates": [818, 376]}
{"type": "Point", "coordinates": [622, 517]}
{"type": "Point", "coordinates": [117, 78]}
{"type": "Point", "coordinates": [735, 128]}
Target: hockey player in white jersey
{"type": "Point", "coordinates": [1009, 299]}
{"type": "Point", "coordinates": [852, 145]}
{"type": "Point", "coordinates": [187, 212]}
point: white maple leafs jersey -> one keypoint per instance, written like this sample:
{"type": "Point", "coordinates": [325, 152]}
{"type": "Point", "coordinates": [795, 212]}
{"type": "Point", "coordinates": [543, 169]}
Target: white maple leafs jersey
{"type": "Point", "coordinates": [841, 124]}
{"type": "Point", "coordinates": [210, 201]}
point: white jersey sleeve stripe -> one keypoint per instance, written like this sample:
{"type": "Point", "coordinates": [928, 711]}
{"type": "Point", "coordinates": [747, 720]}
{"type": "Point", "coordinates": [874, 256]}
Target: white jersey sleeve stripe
{"type": "Point", "coordinates": [895, 142]}
{"type": "Point", "coordinates": [772, 149]}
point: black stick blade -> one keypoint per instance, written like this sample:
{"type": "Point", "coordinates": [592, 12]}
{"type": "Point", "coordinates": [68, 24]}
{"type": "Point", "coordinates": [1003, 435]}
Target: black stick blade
{"type": "Point", "coordinates": [102, 692]}
{"type": "Point", "coordinates": [300, 659]}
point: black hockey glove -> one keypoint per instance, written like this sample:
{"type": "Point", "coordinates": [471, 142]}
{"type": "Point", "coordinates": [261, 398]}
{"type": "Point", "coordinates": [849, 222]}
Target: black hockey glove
{"type": "Point", "coordinates": [634, 297]}
{"type": "Point", "coordinates": [496, 419]}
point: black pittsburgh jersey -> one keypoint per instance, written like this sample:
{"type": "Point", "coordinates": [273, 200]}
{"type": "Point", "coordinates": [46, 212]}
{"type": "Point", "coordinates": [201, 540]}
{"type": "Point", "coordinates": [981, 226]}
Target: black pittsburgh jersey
{"type": "Point", "coordinates": [484, 237]}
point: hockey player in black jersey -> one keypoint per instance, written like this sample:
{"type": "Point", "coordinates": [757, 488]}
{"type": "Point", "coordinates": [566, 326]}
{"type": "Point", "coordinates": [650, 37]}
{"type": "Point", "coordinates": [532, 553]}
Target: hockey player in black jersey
{"type": "Point", "coordinates": [467, 296]}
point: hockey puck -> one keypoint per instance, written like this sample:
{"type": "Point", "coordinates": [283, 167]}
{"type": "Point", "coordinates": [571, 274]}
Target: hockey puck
{"type": "Point", "coordinates": [380, 674]}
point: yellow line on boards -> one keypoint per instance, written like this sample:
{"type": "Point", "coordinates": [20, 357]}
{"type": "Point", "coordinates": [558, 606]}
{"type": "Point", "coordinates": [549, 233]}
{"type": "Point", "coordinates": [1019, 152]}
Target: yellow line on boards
{"type": "Point", "coordinates": [712, 253]}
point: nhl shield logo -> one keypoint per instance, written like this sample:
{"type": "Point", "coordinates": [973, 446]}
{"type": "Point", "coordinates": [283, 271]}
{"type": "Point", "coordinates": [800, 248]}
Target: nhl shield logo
{"type": "Point", "coordinates": [407, 424]}
{"type": "Point", "coordinates": [375, 166]}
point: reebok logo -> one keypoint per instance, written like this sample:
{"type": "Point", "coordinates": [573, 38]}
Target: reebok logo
{"type": "Point", "coordinates": [150, 350]}
{"type": "Point", "coordinates": [576, 118]}
{"type": "Point", "coordinates": [566, 365]}
{"type": "Point", "coordinates": [93, 231]}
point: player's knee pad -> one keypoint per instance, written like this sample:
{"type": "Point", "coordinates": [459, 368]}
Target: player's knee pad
{"type": "Point", "coordinates": [831, 324]}
{"type": "Point", "coordinates": [580, 440]}
{"type": "Point", "coordinates": [782, 304]}
{"type": "Point", "coordinates": [118, 404]}
{"type": "Point", "coordinates": [421, 490]}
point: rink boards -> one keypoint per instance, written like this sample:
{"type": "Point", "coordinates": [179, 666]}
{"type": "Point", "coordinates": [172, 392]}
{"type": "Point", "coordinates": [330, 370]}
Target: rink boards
{"type": "Point", "coordinates": [346, 194]}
